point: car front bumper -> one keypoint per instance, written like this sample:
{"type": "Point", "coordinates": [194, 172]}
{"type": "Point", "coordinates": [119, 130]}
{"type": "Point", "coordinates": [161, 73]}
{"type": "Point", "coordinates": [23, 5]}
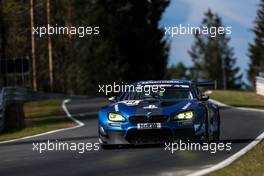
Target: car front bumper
{"type": "Point", "coordinates": [118, 134]}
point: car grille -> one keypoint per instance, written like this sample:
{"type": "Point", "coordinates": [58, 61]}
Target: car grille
{"type": "Point", "coordinates": [158, 119]}
{"type": "Point", "coordinates": [149, 136]}
{"type": "Point", "coordinates": [151, 119]}
{"type": "Point", "coordinates": [138, 119]}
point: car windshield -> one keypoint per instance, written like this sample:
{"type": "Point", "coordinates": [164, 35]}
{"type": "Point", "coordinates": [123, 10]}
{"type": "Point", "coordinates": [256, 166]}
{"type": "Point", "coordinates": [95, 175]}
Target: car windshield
{"type": "Point", "coordinates": [176, 93]}
{"type": "Point", "coordinates": [167, 93]}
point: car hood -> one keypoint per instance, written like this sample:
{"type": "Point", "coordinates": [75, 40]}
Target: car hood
{"type": "Point", "coordinates": [152, 107]}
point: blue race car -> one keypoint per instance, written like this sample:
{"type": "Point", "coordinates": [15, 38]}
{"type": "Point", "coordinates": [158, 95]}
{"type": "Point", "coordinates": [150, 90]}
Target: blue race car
{"type": "Point", "coordinates": [175, 110]}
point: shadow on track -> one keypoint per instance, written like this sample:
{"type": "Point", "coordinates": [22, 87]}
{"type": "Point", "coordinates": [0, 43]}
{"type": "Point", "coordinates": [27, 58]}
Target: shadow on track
{"type": "Point", "coordinates": [51, 140]}
{"type": "Point", "coordinates": [142, 146]}
{"type": "Point", "coordinates": [236, 141]}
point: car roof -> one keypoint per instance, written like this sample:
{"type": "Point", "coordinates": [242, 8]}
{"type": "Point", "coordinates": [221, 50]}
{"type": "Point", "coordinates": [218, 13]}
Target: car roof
{"type": "Point", "coordinates": [153, 82]}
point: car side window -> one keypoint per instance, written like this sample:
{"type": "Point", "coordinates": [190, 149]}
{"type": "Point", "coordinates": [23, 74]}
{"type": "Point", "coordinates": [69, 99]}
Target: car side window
{"type": "Point", "coordinates": [197, 92]}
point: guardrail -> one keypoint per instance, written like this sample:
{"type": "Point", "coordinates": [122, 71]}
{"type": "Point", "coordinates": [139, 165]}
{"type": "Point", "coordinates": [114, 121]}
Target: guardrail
{"type": "Point", "coordinates": [260, 85]}
{"type": "Point", "coordinates": [1, 111]}
{"type": "Point", "coordinates": [11, 105]}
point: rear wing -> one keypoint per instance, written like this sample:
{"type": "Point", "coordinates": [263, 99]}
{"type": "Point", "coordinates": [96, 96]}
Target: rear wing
{"type": "Point", "coordinates": [206, 84]}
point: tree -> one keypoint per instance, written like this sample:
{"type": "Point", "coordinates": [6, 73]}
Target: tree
{"type": "Point", "coordinates": [131, 39]}
{"type": "Point", "coordinates": [256, 49]}
{"type": "Point", "coordinates": [213, 58]}
{"type": "Point", "coordinates": [13, 34]}
{"type": "Point", "coordinates": [2, 42]}
{"type": "Point", "coordinates": [178, 71]}
{"type": "Point", "coordinates": [130, 46]}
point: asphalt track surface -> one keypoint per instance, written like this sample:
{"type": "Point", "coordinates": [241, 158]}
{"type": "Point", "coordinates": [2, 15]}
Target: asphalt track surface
{"type": "Point", "coordinates": [239, 127]}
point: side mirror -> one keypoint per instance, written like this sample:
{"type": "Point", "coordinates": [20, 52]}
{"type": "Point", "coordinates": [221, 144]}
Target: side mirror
{"type": "Point", "coordinates": [112, 99]}
{"type": "Point", "coordinates": [204, 98]}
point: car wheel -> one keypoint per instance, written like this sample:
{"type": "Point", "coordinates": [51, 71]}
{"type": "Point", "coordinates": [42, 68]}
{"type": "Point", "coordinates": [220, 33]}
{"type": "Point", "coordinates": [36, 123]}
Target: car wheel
{"type": "Point", "coordinates": [206, 135]}
{"type": "Point", "coordinates": [206, 132]}
{"type": "Point", "coordinates": [216, 135]}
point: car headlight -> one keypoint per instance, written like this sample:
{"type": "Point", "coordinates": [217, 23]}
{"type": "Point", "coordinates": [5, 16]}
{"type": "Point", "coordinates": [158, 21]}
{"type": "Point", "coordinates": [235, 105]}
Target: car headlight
{"type": "Point", "coordinates": [116, 117]}
{"type": "Point", "coordinates": [184, 116]}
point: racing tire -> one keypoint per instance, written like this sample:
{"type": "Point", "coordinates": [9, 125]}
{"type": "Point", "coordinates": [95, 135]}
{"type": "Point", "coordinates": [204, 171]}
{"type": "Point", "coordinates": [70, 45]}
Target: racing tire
{"type": "Point", "coordinates": [216, 135]}
{"type": "Point", "coordinates": [206, 136]}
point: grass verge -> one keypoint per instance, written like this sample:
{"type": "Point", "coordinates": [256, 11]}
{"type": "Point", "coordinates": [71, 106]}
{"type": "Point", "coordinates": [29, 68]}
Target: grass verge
{"type": "Point", "coordinates": [251, 163]}
{"type": "Point", "coordinates": [239, 98]}
{"type": "Point", "coordinates": [40, 117]}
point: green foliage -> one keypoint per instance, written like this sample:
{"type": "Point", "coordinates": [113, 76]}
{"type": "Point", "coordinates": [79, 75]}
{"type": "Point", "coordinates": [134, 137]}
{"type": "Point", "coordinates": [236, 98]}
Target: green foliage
{"type": "Point", "coordinates": [178, 71]}
{"type": "Point", "coordinates": [256, 49]}
{"type": "Point", "coordinates": [13, 32]}
{"type": "Point", "coordinates": [213, 58]}
{"type": "Point", "coordinates": [130, 46]}
{"type": "Point", "coordinates": [40, 117]}
{"type": "Point", "coordinates": [239, 98]}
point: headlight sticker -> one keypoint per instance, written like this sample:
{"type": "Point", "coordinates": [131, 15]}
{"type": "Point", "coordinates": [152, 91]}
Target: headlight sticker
{"type": "Point", "coordinates": [186, 106]}
{"type": "Point", "coordinates": [115, 117]}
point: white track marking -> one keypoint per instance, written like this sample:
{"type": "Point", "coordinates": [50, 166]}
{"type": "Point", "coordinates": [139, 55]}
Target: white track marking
{"type": "Point", "coordinates": [79, 124]}
{"type": "Point", "coordinates": [237, 155]}
{"type": "Point", "coordinates": [230, 159]}
{"type": "Point", "coordinates": [240, 108]}
{"type": "Point", "coordinates": [219, 103]}
{"type": "Point", "coordinates": [250, 109]}
{"type": "Point", "coordinates": [68, 113]}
